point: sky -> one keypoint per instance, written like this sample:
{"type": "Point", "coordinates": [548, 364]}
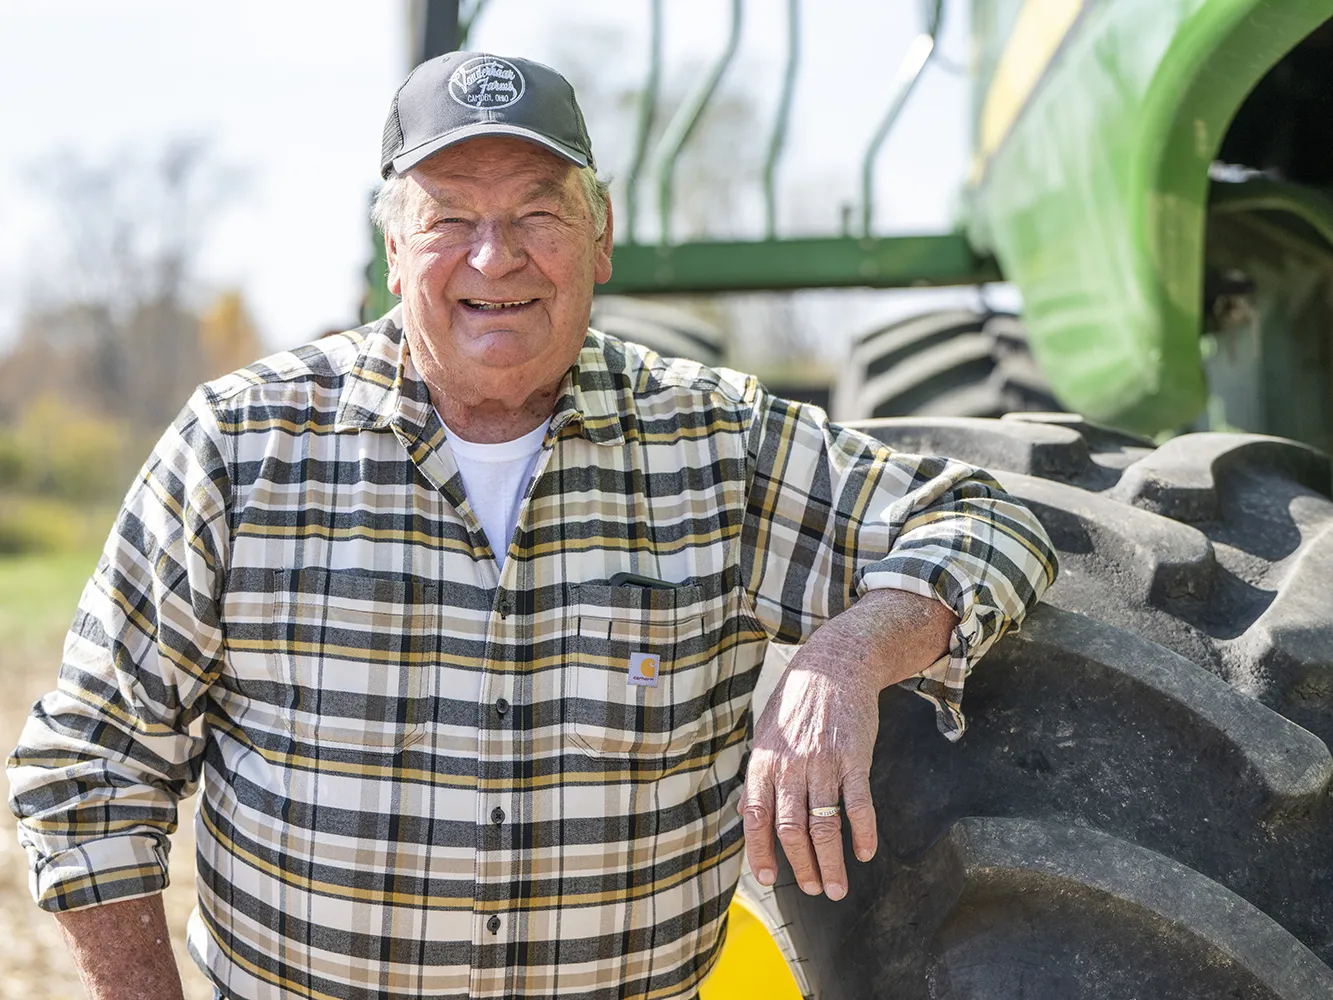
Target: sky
{"type": "Point", "coordinates": [291, 97]}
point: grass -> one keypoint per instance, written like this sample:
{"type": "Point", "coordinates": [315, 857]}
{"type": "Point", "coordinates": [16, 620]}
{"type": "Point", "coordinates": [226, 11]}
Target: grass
{"type": "Point", "coordinates": [38, 592]}
{"type": "Point", "coordinates": [38, 595]}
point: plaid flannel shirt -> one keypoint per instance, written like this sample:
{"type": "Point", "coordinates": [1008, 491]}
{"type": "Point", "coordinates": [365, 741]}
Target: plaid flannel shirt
{"type": "Point", "coordinates": [298, 564]}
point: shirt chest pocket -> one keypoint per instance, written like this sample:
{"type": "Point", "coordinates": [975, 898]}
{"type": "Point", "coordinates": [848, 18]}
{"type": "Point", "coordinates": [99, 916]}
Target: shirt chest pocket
{"type": "Point", "coordinates": [355, 655]}
{"type": "Point", "coordinates": [638, 680]}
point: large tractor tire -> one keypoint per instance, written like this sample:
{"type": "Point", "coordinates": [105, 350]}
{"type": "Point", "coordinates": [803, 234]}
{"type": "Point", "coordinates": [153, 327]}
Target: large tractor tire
{"type": "Point", "coordinates": [954, 363]}
{"type": "Point", "coordinates": [671, 332]}
{"type": "Point", "coordinates": [1141, 804]}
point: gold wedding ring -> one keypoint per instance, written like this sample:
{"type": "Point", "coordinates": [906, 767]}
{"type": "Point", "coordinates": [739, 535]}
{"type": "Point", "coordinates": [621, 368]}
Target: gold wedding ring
{"type": "Point", "coordinates": [826, 811]}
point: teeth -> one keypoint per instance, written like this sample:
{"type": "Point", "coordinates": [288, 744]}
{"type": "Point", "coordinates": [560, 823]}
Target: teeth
{"type": "Point", "coordinates": [479, 304]}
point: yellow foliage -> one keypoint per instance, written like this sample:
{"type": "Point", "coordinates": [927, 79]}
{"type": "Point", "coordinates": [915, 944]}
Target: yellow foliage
{"type": "Point", "coordinates": [228, 337]}
{"type": "Point", "coordinates": [56, 449]}
{"type": "Point", "coordinates": [47, 524]}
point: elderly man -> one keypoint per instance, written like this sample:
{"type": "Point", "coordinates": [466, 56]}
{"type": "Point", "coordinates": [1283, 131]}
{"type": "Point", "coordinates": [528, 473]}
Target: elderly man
{"type": "Point", "coordinates": [471, 603]}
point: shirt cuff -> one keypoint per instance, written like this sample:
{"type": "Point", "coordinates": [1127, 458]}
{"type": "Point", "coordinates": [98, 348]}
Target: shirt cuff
{"type": "Point", "coordinates": [941, 683]}
{"type": "Point", "coordinates": [100, 871]}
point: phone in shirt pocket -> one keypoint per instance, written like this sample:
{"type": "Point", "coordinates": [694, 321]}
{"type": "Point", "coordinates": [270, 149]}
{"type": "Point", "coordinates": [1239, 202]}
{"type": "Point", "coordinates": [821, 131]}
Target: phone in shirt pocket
{"type": "Point", "coordinates": [355, 654]}
{"type": "Point", "coordinates": [638, 679]}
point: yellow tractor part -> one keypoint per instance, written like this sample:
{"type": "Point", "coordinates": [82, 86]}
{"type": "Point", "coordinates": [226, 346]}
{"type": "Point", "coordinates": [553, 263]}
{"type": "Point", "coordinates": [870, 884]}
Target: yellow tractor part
{"type": "Point", "coordinates": [751, 964]}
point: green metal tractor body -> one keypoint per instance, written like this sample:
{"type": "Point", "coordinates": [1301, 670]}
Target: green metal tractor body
{"type": "Point", "coordinates": [1097, 131]}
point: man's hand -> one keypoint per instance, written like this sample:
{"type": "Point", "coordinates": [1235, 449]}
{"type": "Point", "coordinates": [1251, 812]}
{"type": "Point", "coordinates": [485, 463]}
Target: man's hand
{"type": "Point", "coordinates": [814, 742]}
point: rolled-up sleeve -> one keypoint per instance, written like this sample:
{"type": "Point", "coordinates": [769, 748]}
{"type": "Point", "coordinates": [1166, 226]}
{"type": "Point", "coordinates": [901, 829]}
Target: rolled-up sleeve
{"type": "Point", "coordinates": [104, 758]}
{"type": "Point", "coordinates": [833, 514]}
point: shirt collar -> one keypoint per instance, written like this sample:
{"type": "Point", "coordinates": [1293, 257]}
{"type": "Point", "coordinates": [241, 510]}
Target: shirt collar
{"type": "Point", "coordinates": [592, 393]}
{"type": "Point", "coordinates": [383, 384]}
{"type": "Point", "coordinates": [378, 379]}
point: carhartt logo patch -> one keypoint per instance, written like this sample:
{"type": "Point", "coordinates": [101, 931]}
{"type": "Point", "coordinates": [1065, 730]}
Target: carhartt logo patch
{"type": "Point", "coordinates": [643, 669]}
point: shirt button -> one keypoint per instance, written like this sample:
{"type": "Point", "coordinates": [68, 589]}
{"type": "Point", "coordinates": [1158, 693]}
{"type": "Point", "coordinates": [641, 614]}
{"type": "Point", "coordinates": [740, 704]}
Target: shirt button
{"type": "Point", "coordinates": [501, 706]}
{"type": "Point", "coordinates": [497, 815]}
{"type": "Point", "coordinates": [504, 608]}
{"type": "Point", "coordinates": [493, 925]}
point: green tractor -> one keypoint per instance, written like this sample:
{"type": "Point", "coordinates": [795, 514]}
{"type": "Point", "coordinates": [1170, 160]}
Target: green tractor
{"type": "Point", "coordinates": [1142, 804]}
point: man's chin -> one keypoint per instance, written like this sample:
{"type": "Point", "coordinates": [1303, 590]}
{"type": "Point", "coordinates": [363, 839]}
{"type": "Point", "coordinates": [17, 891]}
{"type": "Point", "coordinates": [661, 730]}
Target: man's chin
{"type": "Point", "coordinates": [514, 357]}
{"type": "Point", "coordinates": [509, 350]}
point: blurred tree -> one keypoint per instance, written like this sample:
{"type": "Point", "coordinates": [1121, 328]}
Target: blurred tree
{"type": "Point", "coordinates": [111, 319]}
{"type": "Point", "coordinates": [113, 340]}
{"type": "Point", "coordinates": [127, 230]}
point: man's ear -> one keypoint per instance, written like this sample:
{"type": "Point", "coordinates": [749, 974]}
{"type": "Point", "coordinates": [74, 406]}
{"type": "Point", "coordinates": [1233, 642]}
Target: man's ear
{"type": "Point", "coordinates": [602, 268]}
{"type": "Point", "coordinates": [395, 281]}
{"type": "Point", "coordinates": [391, 255]}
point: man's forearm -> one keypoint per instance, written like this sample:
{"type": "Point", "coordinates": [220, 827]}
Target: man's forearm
{"type": "Point", "coordinates": [122, 950]}
{"type": "Point", "coordinates": [887, 636]}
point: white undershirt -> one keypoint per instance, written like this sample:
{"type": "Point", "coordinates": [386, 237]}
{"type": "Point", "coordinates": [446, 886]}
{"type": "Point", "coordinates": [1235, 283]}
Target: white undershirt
{"type": "Point", "coordinates": [495, 477]}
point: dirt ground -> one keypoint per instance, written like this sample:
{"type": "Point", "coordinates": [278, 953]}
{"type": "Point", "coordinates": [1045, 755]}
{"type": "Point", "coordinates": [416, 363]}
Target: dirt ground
{"type": "Point", "coordinates": [37, 599]}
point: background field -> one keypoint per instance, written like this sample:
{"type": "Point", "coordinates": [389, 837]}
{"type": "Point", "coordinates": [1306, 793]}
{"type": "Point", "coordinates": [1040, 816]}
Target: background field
{"type": "Point", "coordinates": [37, 599]}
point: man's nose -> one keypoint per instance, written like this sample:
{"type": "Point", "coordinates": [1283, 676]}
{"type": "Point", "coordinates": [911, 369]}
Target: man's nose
{"type": "Point", "coordinates": [496, 251]}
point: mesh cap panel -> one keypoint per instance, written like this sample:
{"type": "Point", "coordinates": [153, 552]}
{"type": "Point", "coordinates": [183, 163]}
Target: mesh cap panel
{"type": "Point", "coordinates": [393, 139]}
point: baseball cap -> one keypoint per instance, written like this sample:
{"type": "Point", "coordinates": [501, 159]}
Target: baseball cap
{"type": "Point", "coordinates": [463, 95]}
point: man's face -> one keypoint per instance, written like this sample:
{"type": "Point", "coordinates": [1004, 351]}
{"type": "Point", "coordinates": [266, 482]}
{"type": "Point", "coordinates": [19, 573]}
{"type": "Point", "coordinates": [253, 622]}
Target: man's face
{"type": "Point", "coordinates": [495, 258]}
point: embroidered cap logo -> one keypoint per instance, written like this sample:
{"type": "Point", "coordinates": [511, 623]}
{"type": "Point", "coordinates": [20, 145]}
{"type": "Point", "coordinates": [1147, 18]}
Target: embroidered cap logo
{"type": "Point", "coordinates": [487, 83]}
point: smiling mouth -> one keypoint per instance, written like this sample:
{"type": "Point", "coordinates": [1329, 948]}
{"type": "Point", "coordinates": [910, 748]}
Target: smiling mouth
{"type": "Point", "coordinates": [482, 305]}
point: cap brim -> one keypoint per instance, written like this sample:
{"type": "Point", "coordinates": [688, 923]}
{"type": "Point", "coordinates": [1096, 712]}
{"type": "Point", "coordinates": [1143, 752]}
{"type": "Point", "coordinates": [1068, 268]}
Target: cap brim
{"type": "Point", "coordinates": [410, 158]}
